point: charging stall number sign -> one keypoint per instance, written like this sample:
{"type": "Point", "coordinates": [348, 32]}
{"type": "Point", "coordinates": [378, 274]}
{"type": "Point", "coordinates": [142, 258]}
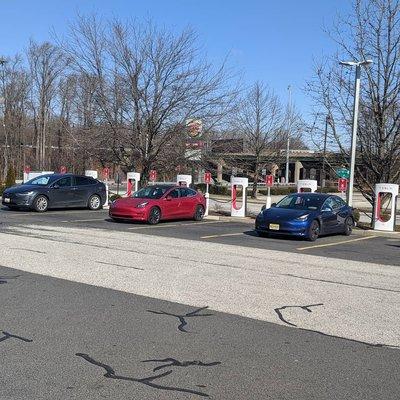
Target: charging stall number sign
{"type": "Point", "coordinates": [342, 184]}
{"type": "Point", "coordinates": [153, 175]}
{"type": "Point", "coordinates": [207, 178]}
{"type": "Point", "coordinates": [106, 173]}
{"type": "Point", "coordinates": [269, 180]}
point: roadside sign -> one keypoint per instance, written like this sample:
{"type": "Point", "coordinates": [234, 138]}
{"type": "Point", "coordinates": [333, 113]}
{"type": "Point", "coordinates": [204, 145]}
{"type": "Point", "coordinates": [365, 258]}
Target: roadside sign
{"type": "Point", "coordinates": [263, 172]}
{"type": "Point", "coordinates": [27, 169]}
{"type": "Point", "coordinates": [269, 180]}
{"type": "Point", "coordinates": [153, 175]}
{"type": "Point", "coordinates": [106, 173]}
{"type": "Point", "coordinates": [207, 177]}
{"type": "Point", "coordinates": [63, 169]}
{"type": "Point", "coordinates": [343, 173]}
{"type": "Point", "coordinates": [342, 184]}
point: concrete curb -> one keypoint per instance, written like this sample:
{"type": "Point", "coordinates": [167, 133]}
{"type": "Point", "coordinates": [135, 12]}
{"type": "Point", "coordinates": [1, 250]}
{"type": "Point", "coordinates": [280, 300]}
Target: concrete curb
{"type": "Point", "coordinates": [371, 232]}
{"type": "Point", "coordinates": [225, 218]}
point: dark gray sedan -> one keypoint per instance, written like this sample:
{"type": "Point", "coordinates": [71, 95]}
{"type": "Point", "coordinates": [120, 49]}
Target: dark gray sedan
{"type": "Point", "coordinates": [56, 191]}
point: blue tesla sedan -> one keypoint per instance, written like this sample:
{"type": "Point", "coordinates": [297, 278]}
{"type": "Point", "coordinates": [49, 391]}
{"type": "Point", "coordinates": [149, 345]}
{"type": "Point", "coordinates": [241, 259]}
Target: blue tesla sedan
{"type": "Point", "coordinates": [306, 215]}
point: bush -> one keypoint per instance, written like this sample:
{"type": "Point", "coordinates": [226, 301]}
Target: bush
{"type": "Point", "coordinates": [356, 215]}
{"type": "Point", "coordinates": [2, 188]}
{"type": "Point", "coordinates": [214, 189]}
{"type": "Point", "coordinates": [113, 197]}
{"type": "Point", "coordinates": [10, 178]}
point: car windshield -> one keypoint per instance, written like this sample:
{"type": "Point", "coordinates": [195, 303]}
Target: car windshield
{"type": "Point", "coordinates": [39, 180]}
{"type": "Point", "coordinates": [302, 202]}
{"type": "Point", "coordinates": [151, 192]}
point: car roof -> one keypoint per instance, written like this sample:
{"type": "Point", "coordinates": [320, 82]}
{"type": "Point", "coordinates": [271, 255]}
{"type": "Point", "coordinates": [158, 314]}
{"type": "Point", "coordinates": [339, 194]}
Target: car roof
{"type": "Point", "coordinates": [311, 194]}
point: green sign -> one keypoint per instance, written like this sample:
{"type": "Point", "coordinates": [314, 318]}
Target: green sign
{"type": "Point", "coordinates": [343, 173]}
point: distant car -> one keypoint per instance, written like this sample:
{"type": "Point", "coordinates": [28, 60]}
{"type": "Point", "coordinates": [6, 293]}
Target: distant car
{"type": "Point", "coordinates": [56, 191]}
{"type": "Point", "coordinates": [159, 202]}
{"type": "Point", "coordinates": [306, 215]}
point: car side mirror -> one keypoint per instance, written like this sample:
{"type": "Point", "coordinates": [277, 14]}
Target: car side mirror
{"type": "Point", "coordinates": [327, 209]}
{"type": "Point", "coordinates": [168, 198]}
{"type": "Point", "coordinates": [273, 205]}
{"type": "Point", "coordinates": [55, 186]}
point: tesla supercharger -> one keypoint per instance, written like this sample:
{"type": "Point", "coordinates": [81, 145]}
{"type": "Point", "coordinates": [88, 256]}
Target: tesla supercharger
{"type": "Point", "coordinates": [34, 174]}
{"type": "Point", "coordinates": [384, 189]}
{"type": "Point", "coordinates": [184, 180]}
{"type": "Point", "coordinates": [236, 210]}
{"type": "Point", "coordinates": [132, 182]}
{"type": "Point", "coordinates": [303, 184]}
{"type": "Point", "coordinates": [94, 174]}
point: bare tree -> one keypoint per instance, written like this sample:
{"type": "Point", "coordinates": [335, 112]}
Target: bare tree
{"type": "Point", "coordinates": [371, 31]}
{"type": "Point", "coordinates": [46, 63]}
{"type": "Point", "coordinates": [148, 82]}
{"type": "Point", "coordinates": [259, 120]}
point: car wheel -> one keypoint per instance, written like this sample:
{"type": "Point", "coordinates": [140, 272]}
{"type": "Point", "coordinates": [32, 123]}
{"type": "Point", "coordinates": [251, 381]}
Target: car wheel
{"type": "Point", "coordinates": [348, 226]}
{"type": "Point", "coordinates": [154, 216]}
{"type": "Point", "coordinates": [94, 202]}
{"type": "Point", "coordinates": [313, 231]}
{"type": "Point", "coordinates": [199, 213]}
{"type": "Point", "coordinates": [41, 204]}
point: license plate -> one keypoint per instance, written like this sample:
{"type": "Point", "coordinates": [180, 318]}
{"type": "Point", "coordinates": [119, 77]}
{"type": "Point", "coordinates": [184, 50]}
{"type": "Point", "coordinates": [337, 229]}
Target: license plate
{"type": "Point", "coordinates": [6, 200]}
{"type": "Point", "coordinates": [274, 227]}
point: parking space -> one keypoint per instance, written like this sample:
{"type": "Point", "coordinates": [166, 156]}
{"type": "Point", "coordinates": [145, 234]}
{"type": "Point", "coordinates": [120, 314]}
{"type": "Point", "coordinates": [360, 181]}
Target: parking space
{"type": "Point", "coordinates": [236, 233]}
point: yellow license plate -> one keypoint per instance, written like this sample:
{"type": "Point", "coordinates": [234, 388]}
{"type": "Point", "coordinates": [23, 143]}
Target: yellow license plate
{"type": "Point", "coordinates": [274, 227]}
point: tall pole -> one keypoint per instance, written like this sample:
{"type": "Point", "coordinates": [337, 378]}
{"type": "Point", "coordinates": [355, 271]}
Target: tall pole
{"type": "Point", "coordinates": [288, 136]}
{"type": "Point", "coordinates": [354, 135]}
{"type": "Point", "coordinates": [322, 183]}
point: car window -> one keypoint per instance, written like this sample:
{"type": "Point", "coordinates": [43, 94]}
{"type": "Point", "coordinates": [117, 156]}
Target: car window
{"type": "Point", "coordinates": [329, 203]}
{"type": "Point", "coordinates": [83, 181]}
{"type": "Point", "coordinates": [174, 193]}
{"type": "Point", "coordinates": [302, 202]}
{"type": "Point", "coordinates": [339, 203]}
{"type": "Point", "coordinates": [191, 192]}
{"type": "Point", "coordinates": [183, 191]}
{"type": "Point", "coordinates": [64, 182]}
{"type": "Point", "coordinates": [151, 192]}
{"type": "Point", "coordinates": [40, 181]}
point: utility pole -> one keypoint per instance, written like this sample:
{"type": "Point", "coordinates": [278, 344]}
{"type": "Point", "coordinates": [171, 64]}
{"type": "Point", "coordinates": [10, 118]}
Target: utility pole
{"type": "Point", "coordinates": [288, 134]}
{"type": "Point", "coordinates": [358, 65]}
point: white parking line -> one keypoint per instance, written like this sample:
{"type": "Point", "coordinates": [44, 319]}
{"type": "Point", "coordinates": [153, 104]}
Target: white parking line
{"type": "Point", "coordinates": [222, 235]}
{"type": "Point", "coordinates": [84, 220]}
{"type": "Point", "coordinates": [336, 243]}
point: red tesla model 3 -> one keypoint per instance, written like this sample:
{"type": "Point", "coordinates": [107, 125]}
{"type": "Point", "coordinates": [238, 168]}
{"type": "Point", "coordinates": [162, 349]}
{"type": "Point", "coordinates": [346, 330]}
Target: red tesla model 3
{"type": "Point", "coordinates": [159, 202]}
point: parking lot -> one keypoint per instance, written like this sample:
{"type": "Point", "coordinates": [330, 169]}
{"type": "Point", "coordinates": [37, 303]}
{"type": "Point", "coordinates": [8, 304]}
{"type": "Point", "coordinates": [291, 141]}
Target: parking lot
{"type": "Point", "coordinates": [357, 247]}
{"type": "Point", "coordinates": [94, 309]}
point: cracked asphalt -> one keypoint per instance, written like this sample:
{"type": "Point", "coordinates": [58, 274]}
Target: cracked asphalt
{"type": "Point", "coordinates": [91, 309]}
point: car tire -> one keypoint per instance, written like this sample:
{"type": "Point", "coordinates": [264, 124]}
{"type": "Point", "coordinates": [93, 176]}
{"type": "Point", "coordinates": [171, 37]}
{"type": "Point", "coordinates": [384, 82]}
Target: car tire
{"type": "Point", "coordinates": [314, 231]}
{"type": "Point", "coordinates": [199, 213]}
{"type": "Point", "coordinates": [154, 216]}
{"type": "Point", "coordinates": [94, 202]}
{"type": "Point", "coordinates": [348, 226]}
{"type": "Point", "coordinates": [41, 203]}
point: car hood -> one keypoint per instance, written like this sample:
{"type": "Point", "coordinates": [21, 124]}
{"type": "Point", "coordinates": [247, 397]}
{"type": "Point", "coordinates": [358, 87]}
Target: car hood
{"type": "Point", "coordinates": [284, 214]}
{"type": "Point", "coordinates": [22, 189]}
{"type": "Point", "coordinates": [130, 202]}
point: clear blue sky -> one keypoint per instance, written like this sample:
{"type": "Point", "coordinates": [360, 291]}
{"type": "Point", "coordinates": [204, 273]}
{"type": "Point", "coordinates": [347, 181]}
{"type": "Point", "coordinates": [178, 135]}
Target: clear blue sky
{"type": "Point", "coordinates": [270, 40]}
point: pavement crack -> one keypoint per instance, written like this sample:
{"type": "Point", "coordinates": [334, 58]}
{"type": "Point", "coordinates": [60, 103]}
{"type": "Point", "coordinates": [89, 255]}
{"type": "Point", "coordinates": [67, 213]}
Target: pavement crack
{"type": "Point", "coordinates": [306, 308]}
{"type": "Point", "coordinates": [172, 362]}
{"type": "Point", "coordinates": [30, 250]}
{"type": "Point", "coordinates": [148, 381]}
{"type": "Point", "coordinates": [119, 265]}
{"type": "Point", "coordinates": [7, 335]}
{"type": "Point", "coordinates": [182, 318]}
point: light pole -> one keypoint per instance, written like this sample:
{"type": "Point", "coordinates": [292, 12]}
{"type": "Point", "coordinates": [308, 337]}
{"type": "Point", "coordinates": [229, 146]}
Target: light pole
{"type": "Point", "coordinates": [358, 65]}
{"type": "Point", "coordinates": [288, 136]}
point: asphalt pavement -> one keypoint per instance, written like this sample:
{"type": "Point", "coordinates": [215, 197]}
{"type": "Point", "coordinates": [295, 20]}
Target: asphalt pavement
{"type": "Point", "coordinates": [376, 249]}
{"type": "Point", "coordinates": [94, 309]}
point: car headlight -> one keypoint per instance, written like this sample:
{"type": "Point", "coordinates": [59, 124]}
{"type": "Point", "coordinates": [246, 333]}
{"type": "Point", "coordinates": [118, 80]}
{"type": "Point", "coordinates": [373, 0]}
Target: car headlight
{"type": "Point", "coordinates": [303, 217]}
{"type": "Point", "coordinates": [142, 205]}
{"type": "Point", "coordinates": [26, 193]}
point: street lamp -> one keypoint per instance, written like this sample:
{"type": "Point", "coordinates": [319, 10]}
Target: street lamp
{"type": "Point", "coordinates": [358, 65]}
